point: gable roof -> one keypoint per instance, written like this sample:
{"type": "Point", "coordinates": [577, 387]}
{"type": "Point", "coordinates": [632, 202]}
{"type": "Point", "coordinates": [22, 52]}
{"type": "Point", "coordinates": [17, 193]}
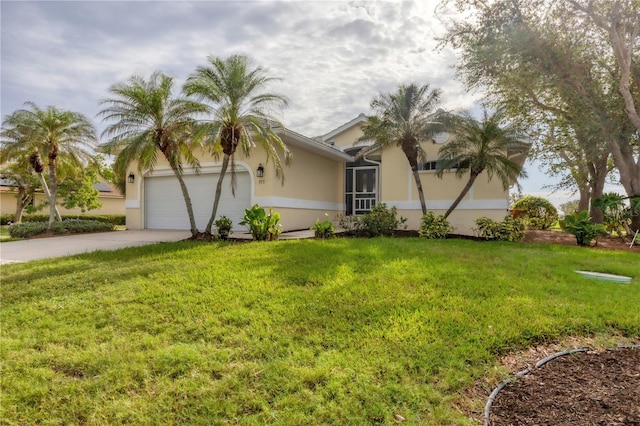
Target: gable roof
{"type": "Point", "coordinates": [361, 118]}
{"type": "Point", "coordinates": [318, 147]}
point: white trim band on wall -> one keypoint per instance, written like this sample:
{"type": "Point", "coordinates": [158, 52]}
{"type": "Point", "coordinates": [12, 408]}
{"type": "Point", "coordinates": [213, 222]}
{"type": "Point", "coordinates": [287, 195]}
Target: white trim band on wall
{"type": "Point", "coordinates": [296, 203]}
{"type": "Point", "coordinates": [495, 204]}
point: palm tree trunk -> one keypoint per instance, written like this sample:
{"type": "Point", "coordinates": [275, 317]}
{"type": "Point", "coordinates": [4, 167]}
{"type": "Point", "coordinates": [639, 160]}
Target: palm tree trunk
{"type": "Point", "coordinates": [467, 187]}
{"type": "Point", "coordinates": [53, 192]}
{"type": "Point", "coordinates": [416, 177]}
{"type": "Point", "coordinates": [47, 193]}
{"type": "Point", "coordinates": [216, 201]}
{"type": "Point", "coordinates": [187, 201]}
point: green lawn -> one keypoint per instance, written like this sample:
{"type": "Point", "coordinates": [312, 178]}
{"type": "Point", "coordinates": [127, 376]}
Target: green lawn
{"type": "Point", "coordinates": [346, 331]}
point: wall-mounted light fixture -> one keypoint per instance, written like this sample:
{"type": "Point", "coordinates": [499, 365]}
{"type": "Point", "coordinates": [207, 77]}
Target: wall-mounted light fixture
{"type": "Point", "coordinates": [131, 177]}
{"type": "Point", "coordinates": [260, 171]}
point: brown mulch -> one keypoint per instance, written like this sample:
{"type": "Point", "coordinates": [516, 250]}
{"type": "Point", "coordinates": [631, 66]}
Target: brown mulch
{"type": "Point", "coordinates": [558, 237]}
{"type": "Point", "coordinates": [592, 388]}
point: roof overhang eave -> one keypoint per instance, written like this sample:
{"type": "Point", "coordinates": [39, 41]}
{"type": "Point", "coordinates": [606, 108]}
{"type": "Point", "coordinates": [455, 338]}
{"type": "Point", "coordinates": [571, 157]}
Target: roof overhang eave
{"type": "Point", "coordinates": [315, 147]}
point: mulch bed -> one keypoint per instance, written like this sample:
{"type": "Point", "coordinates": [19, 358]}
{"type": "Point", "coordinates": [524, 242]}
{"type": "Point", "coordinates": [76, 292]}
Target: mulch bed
{"type": "Point", "coordinates": [605, 242]}
{"type": "Point", "coordinates": [593, 388]}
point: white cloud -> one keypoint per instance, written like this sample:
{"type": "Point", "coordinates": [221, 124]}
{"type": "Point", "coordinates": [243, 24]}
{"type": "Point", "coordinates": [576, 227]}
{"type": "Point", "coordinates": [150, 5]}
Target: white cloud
{"type": "Point", "coordinates": [333, 57]}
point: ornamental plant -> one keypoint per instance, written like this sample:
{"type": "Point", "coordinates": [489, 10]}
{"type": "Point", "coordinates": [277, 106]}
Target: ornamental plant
{"type": "Point", "coordinates": [224, 225]}
{"type": "Point", "coordinates": [580, 225]}
{"type": "Point", "coordinates": [324, 229]}
{"type": "Point", "coordinates": [262, 226]}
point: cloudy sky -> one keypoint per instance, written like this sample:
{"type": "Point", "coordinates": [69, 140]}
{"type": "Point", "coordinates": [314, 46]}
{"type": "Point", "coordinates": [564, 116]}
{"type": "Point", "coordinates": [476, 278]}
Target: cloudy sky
{"type": "Point", "coordinates": [333, 56]}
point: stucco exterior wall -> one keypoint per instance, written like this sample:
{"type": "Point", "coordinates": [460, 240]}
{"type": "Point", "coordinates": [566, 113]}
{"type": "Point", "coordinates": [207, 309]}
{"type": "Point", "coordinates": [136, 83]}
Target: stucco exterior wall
{"type": "Point", "coordinates": [7, 203]}
{"type": "Point", "coordinates": [110, 206]}
{"type": "Point", "coordinates": [398, 188]}
{"type": "Point", "coordinates": [462, 220]}
{"type": "Point", "coordinates": [309, 177]}
{"type": "Point", "coordinates": [313, 185]}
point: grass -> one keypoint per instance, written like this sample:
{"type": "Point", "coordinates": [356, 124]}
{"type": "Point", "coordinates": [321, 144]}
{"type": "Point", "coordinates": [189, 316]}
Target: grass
{"type": "Point", "coordinates": [4, 234]}
{"type": "Point", "coordinates": [346, 331]}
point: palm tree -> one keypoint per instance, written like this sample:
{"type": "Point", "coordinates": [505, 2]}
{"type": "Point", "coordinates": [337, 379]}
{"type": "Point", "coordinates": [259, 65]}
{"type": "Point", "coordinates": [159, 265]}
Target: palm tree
{"type": "Point", "coordinates": [406, 118]}
{"type": "Point", "coordinates": [242, 113]}
{"type": "Point", "coordinates": [52, 133]}
{"type": "Point", "coordinates": [482, 146]}
{"type": "Point", "coordinates": [147, 119]}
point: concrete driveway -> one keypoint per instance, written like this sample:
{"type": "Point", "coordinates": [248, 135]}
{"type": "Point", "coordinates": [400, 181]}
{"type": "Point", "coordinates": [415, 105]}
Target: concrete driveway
{"type": "Point", "coordinates": [43, 248]}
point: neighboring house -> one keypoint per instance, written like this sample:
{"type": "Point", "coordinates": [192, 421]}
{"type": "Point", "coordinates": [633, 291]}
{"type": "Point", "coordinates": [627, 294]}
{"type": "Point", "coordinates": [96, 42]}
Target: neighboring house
{"type": "Point", "coordinates": [322, 178]}
{"type": "Point", "coordinates": [111, 199]}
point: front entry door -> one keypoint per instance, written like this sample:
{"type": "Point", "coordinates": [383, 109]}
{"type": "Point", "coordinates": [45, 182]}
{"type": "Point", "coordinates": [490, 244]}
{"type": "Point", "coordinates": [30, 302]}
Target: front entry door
{"type": "Point", "coordinates": [361, 189]}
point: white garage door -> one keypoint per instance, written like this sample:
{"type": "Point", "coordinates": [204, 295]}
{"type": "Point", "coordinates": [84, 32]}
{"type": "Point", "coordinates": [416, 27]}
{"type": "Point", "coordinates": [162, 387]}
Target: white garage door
{"type": "Point", "coordinates": [165, 208]}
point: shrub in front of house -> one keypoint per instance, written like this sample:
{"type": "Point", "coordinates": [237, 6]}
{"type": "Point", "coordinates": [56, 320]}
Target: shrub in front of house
{"type": "Point", "coordinates": [324, 229]}
{"type": "Point", "coordinates": [69, 226]}
{"type": "Point", "coordinates": [262, 226]}
{"type": "Point", "coordinates": [509, 229]}
{"type": "Point", "coordinates": [381, 221]}
{"type": "Point", "coordinates": [433, 226]}
{"type": "Point", "coordinates": [537, 212]}
{"type": "Point", "coordinates": [224, 225]}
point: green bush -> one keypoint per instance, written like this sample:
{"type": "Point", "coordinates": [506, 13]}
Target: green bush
{"type": "Point", "coordinates": [116, 219]}
{"type": "Point", "coordinates": [538, 212]}
{"type": "Point", "coordinates": [380, 221]}
{"type": "Point", "coordinates": [580, 225]}
{"type": "Point", "coordinates": [224, 225]}
{"type": "Point", "coordinates": [112, 219]}
{"type": "Point", "coordinates": [69, 226]}
{"type": "Point", "coordinates": [434, 226]}
{"type": "Point", "coordinates": [509, 229]}
{"type": "Point", "coordinates": [262, 226]}
{"type": "Point", "coordinates": [324, 229]}
{"type": "Point", "coordinates": [5, 219]}
{"type": "Point", "coordinates": [27, 229]}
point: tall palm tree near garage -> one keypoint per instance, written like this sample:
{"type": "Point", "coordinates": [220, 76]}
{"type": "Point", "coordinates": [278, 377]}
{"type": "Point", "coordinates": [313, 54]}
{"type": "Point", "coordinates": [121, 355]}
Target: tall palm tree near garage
{"type": "Point", "coordinates": [242, 113]}
{"type": "Point", "coordinates": [480, 146]}
{"type": "Point", "coordinates": [52, 134]}
{"type": "Point", "coordinates": [146, 120]}
{"type": "Point", "coordinates": [406, 118]}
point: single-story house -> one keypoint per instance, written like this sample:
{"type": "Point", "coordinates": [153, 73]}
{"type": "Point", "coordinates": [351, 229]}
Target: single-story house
{"type": "Point", "coordinates": [323, 177]}
{"type": "Point", "coordinates": [111, 199]}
